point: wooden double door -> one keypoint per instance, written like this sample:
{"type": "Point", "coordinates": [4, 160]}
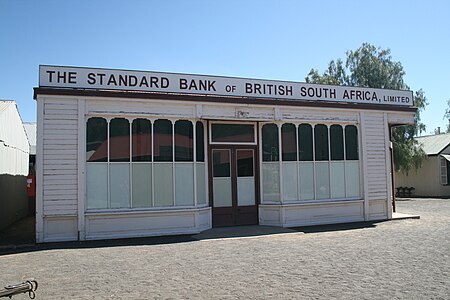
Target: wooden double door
{"type": "Point", "coordinates": [234, 185]}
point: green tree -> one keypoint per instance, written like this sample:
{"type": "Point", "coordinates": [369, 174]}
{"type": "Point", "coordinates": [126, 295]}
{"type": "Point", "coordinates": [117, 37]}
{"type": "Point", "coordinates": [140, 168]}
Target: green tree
{"type": "Point", "coordinates": [373, 67]}
{"type": "Point", "coordinates": [447, 115]}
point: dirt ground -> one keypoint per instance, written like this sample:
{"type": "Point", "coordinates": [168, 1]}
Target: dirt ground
{"type": "Point", "coordinates": [404, 259]}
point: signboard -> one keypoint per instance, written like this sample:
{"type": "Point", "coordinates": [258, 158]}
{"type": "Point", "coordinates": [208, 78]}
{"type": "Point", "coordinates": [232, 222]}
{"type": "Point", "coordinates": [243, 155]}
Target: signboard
{"type": "Point", "coordinates": [105, 79]}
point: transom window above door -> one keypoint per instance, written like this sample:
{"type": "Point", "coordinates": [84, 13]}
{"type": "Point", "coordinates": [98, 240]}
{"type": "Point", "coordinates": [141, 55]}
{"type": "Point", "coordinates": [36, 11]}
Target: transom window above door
{"type": "Point", "coordinates": [232, 133]}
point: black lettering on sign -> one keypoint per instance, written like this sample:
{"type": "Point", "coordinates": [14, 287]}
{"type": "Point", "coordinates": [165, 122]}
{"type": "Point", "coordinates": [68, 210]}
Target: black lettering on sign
{"type": "Point", "coordinates": [66, 77]}
{"type": "Point", "coordinates": [345, 96]}
{"type": "Point", "coordinates": [111, 80]}
{"type": "Point", "coordinates": [154, 82]}
{"type": "Point", "coordinates": [164, 82]}
{"type": "Point", "coordinates": [50, 75]}
{"type": "Point", "coordinates": [183, 84]}
{"type": "Point", "coordinates": [143, 82]}
{"type": "Point", "coordinates": [268, 89]}
{"type": "Point", "coordinates": [197, 85]}
{"type": "Point", "coordinates": [91, 78]}
{"type": "Point", "coordinates": [132, 80]}
{"type": "Point", "coordinates": [122, 80]}
{"type": "Point", "coordinates": [101, 75]}
{"type": "Point", "coordinates": [72, 77]}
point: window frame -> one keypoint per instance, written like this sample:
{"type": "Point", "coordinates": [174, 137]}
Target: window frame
{"type": "Point", "coordinates": [255, 135]}
{"type": "Point", "coordinates": [197, 193]}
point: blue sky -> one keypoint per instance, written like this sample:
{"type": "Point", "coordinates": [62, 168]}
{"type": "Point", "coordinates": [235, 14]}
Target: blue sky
{"type": "Point", "coordinates": [280, 40]}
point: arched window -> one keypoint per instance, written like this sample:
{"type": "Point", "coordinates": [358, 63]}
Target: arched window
{"type": "Point", "coordinates": [119, 140]}
{"type": "Point", "coordinates": [321, 142]}
{"type": "Point", "coordinates": [305, 142]}
{"type": "Point", "coordinates": [162, 144]}
{"type": "Point", "coordinates": [184, 141]}
{"type": "Point", "coordinates": [351, 142]}
{"type": "Point", "coordinates": [96, 140]}
{"type": "Point", "coordinates": [336, 142]}
{"type": "Point", "coordinates": [289, 142]}
{"type": "Point", "coordinates": [141, 140]}
{"type": "Point", "coordinates": [270, 146]}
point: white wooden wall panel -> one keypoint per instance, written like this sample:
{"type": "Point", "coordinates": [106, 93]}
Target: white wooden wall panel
{"type": "Point", "coordinates": [406, 118]}
{"type": "Point", "coordinates": [319, 116]}
{"type": "Point", "coordinates": [60, 157]}
{"type": "Point", "coordinates": [140, 108]}
{"type": "Point", "coordinates": [377, 175]}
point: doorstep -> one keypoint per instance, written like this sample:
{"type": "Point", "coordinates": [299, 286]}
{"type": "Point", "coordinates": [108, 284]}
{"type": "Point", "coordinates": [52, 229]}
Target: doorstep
{"type": "Point", "coordinates": [401, 216]}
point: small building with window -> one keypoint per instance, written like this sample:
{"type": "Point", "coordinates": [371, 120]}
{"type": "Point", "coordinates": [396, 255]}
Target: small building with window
{"type": "Point", "coordinates": [133, 153]}
{"type": "Point", "coordinates": [432, 179]}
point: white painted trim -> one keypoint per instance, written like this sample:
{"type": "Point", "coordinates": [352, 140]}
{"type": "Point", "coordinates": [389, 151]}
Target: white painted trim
{"type": "Point", "coordinates": [280, 163]}
{"type": "Point", "coordinates": [364, 157]}
{"type": "Point", "coordinates": [312, 203]}
{"type": "Point", "coordinates": [388, 166]}
{"type": "Point", "coordinates": [194, 158]}
{"type": "Point", "coordinates": [40, 171]}
{"type": "Point", "coordinates": [154, 223]}
{"type": "Point", "coordinates": [81, 169]}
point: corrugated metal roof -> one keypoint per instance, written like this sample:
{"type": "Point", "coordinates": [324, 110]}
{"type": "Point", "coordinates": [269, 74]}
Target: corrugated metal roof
{"type": "Point", "coordinates": [30, 130]}
{"type": "Point", "coordinates": [434, 144]}
{"type": "Point", "coordinates": [4, 104]}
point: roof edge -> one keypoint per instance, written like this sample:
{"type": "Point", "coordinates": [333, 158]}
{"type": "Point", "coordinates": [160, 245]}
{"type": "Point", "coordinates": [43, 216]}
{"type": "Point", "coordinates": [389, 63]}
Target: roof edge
{"type": "Point", "coordinates": [211, 98]}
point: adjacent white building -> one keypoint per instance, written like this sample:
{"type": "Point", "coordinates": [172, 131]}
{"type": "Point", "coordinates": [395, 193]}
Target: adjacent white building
{"type": "Point", "coordinates": [131, 153]}
{"type": "Point", "coordinates": [14, 151]}
{"type": "Point", "coordinates": [432, 179]}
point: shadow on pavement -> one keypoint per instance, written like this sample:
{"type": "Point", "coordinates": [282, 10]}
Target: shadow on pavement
{"type": "Point", "coordinates": [337, 227]}
{"type": "Point", "coordinates": [214, 233]}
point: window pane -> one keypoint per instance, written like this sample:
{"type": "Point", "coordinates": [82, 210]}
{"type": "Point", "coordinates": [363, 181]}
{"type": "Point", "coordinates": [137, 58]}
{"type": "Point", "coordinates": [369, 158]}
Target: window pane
{"type": "Point", "coordinates": [337, 142]}
{"type": "Point", "coordinates": [245, 191]}
{"type": "Point", "coordinates": [96, 146]}
{"type": "Point", "coordinates": [162, 149]}
{"type": "Point", "coordinates": [352, 174]}
{"type": "Point", "coordinates": [120, 185]}
{"type": "Point", "coordinates": [201, 186]}
{"type": "Point", "coordinates": [221, 163]}
{"type": "Point", "coordinates": [184, 184]}
{"type": "Point", "coordinates": [337, 179]}
{"type": "Point", "coordinates": [322, 180]}
{"type": "Point", "coordinates": [306, 172]}
{"type": "Point", "coordinates": [142, 185]}
{"type": "Point", "coordinates": [244, 163]}
{"type": "Point", "coordinates": [200, 141]}
{"type": "Point", "coordinates": [119, 143]}
{"type": "Point", "coordinates": [321, 142]}
{"type": "Point", "coordinates": [141, 139]}
{"type": "Point", "coordinates": [184, 141]}
{"type": "Point", "coordinates": [163, 184]}
{"type": "Point", "coordinates": [271, 181]}
{"type": "Point", "coordinates": [270, 146]}
{"type": "Point", "coordinates": [289, 142]}
{"type": "Point", "coordinates": [305, 143]}
{"type": "Point", "coordinates": [290, 181]}
{"type": "Point", "coordinates": [351, 142]}
{"type": "Point", "coordinates": [97, 185]}
{"type": "Point", "coordinates": [233, 133]}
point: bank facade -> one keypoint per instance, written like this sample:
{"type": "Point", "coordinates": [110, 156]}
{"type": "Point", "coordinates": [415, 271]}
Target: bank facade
{"type": "Point", "coordinates": [132, 153]}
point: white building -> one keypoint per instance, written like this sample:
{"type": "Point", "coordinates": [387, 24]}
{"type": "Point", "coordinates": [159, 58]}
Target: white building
{"type": "Point", "coordinates": [14, 152]}
{"type": "Point", "coordinates": [432, 179]}
{"type": "Point", "coordinates": [132, 153]}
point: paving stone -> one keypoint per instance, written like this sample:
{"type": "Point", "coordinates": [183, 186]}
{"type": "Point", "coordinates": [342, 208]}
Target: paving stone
{"type": "Point", "coordinates": [404, 259]}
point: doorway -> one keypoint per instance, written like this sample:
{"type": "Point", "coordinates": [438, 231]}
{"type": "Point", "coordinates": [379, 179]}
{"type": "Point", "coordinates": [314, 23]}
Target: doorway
{"type": "Point", "coordinates": [234, 188]}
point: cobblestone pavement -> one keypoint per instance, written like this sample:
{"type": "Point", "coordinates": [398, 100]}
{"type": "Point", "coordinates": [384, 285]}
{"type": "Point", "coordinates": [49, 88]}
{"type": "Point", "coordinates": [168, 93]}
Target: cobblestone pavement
{"type": "Point", "coordinates": [404, 259]}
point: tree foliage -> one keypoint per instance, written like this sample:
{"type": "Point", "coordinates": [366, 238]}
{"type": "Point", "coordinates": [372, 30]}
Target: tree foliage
{"type": "Point", "coordinates": [373, 67]}
{"type": "Point", "coordinates": [447, 115]}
